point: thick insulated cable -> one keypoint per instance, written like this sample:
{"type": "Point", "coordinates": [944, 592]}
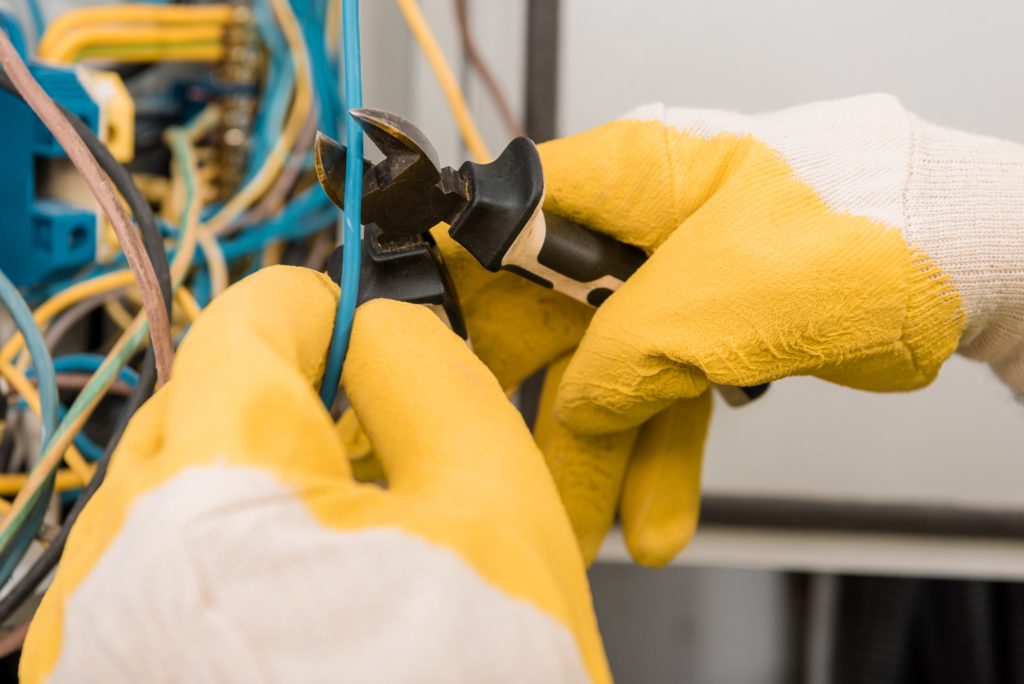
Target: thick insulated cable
{"type": "Point", "coordinates": [352, 239]}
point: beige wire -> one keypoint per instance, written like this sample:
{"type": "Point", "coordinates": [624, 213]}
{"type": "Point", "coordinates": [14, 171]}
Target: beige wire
{"type": "Point", "coordinates": [215, 262]}
{"type": "Point", "coordinates": [99, 184]}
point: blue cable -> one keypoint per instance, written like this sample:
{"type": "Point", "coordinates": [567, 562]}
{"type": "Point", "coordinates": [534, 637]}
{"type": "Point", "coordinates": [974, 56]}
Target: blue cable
{"type": "Point", "coordinates": [306, 214]}
{"type": "Point", "coordinates": [90, 450]}
{"type": "Point", "coordinates": [280, 83]}
{"type": "Point", "coordinates": [49, 415]}
{"type": "Point", "coordinates": [90, 363]}
{"type": "Point", "coordinates": [38, 19]}
{"type": "Point", "coordinates": [42, 363]}
{"type": "Point", "coordinates": [352, 239]}
{"type": "Point", "coordinates": [320, 67]}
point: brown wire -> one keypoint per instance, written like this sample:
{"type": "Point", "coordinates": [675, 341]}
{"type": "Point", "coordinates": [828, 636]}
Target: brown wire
{"type": "Point", "coordinates": [469, 47]}
{"type": "Point", "coordinates": [138, 261]}
{"type": "Point", "coordinates": [59, 328]}
{"type": "Point", "coordinates": [77, 381]}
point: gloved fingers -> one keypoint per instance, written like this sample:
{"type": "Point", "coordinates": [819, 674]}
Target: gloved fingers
{"type": "Point", "coordinates": [613, 178]}
{"type": "Point", "coordinates": [365, 465]}
{"type": "Point", "coordinates": [135, 465]}
{"type": "Point", "coordinates": [438, 421]}
{"type": "Point", "coordinates": [660, 503]}
{"type": "Point", "coordinates": [618, 378]}
{"type": "Point", "coordinates": [637, 178]}
{"type": "Point", "coordinates": [587, 469]}
{"type": "Point", "coordinates": [143, 437]}
{"type": "Point", "coordinates": [353, 437]}
{"type": "Point", "coordinates": [515, 327]}
{"type": "Point", "coordinates": [245, 378]}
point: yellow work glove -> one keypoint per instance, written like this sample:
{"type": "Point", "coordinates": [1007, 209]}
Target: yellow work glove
{"type": "Point", "coordinates": [847, 240]}
{"type": "Point", "coordinates": [230, 542]}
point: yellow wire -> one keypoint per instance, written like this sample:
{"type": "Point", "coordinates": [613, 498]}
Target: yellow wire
{"type": "Point", "coordinates": [120, 36]}
{"type": "Point", "coordinates": [117, 312]}
{"type": "Point", "coordinates": [279, 154]}
{"type": "Point", "coordinates": [65, 299]}
{"type": "Point", "coordinates": [214, 52]}
{"type": "Point", "coordinates": [187, 303]}
{"type": "Point", "coordinates": [121, 14]}
{"type": "Point", "coordinates": [11, 483]}
{"type": "Point", "coordinates": [82, 468]}
{"type": "Point", "coordinates": [443, 73]}
{"type": "Point", "coordinates": [273, 253]}
{"type": "Point", "coordinates": [333, 28]}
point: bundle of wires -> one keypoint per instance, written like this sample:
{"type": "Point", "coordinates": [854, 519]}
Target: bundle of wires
{"type": "Point", "coordinates": [138, 33]}
{"type": "Point", "coordinates": [353, 207]}
{"type": "Point", "coordinates": [277, 213]}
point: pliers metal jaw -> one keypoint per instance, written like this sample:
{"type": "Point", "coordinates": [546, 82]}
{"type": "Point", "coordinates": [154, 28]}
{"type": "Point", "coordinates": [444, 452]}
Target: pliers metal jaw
{"type": "Point", "coordinates": [407, 270]}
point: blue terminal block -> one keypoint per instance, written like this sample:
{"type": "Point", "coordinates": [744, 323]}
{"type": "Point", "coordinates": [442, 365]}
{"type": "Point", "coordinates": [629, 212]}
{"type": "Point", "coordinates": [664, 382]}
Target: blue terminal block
{"type": "Point", "coordinates": [40, 238]}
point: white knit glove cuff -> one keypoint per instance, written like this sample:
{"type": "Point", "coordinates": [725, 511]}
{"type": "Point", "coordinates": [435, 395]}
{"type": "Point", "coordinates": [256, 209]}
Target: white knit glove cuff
{"type": "Point", "coordinates": [964, 207]}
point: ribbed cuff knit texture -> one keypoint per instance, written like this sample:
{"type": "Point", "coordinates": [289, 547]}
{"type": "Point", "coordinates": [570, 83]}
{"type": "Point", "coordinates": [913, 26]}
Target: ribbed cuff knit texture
{"type": "Point", "coordinates": [964, 207]}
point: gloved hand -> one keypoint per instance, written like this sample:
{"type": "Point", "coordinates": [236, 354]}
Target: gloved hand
{"type": "Point", "coordinates": [230, 542]}
{"type": "Point", "coordinates": [847, 240]}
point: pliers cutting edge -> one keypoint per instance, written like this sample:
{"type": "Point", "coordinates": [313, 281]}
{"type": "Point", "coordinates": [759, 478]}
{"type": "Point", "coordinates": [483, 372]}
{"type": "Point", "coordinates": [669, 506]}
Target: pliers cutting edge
{"type": "Point", "coordinates": [493, 210]}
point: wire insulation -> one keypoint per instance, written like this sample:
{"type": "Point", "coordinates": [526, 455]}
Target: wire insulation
{"type": "Point", "coordinates": [353, 208]}
{"type": "Point", "coordinates": [155, 38]}
{"type": "Point", "coordinates": [48, 409]}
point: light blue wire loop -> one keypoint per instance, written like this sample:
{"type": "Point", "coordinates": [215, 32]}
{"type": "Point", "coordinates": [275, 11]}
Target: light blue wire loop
{"type": "Point", "coordinates": [42, 364]}
{"type": "Point", "coordinates": [352, 239]}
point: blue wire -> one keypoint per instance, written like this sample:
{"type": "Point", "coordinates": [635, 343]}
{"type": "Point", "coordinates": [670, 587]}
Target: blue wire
{"type": "Point", "coordinates": [49, 415]}
{"type": "Point", "coordinates": [42, 363]}
{"type": "Point", "coordinates": [353, 207]}
{"type": "Point", "coordinates": [320, 67]}
{"type": "Point", "coordinates": [90, 363]}
{"type": "Point", "coordinates": [280, 84]}
{"type": "Point", "coordinates": [307, 213]}
{"type": "Point", "coordinates": [38, 19]}
{"type": "Point", "coordinates": [89, 449]}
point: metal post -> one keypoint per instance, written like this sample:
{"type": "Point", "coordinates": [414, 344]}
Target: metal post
{"type": "Point", "coordinates": [542, 33]}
